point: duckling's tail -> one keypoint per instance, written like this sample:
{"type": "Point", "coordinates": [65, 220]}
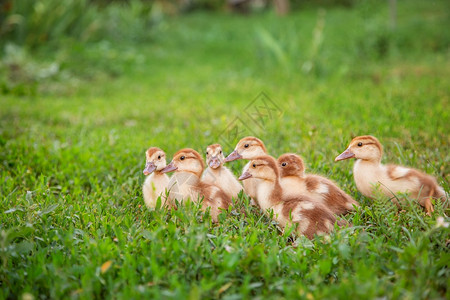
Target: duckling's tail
{"type": "Point", "coordinates": [343, 223]}
{"type": "Point", "coordinates": [439, 193]}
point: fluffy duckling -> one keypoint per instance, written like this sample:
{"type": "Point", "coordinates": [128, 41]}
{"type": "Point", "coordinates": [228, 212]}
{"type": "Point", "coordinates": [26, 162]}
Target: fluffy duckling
{"type": "Point", "coordinates": [295, 182]}
{"type": "Point", "coordinates": [369, 173]}
{"type": "Point", "coordinates": [248, 148]}
{"type": "Point", "coordinates": [186, 184]}
{"type": "Point", "coordinates": [312, 218]}
{"type": "Point", "coordinates": [155, 185]}
{"type": "Point", "coordinates": [219, 175]}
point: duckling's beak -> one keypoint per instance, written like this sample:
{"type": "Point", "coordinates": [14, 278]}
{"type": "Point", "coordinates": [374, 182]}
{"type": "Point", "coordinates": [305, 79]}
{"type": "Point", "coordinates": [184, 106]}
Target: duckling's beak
{"type": "Point", "coordinates": [233, 156]}
{"type": "Point", "coordinates": [345, 155]}
{"type": "Point", "coordinates": [169, 168]}
{"type": "Point", "coordinates": [214, 163]}
{"type": "Point", "coordinates": [245, 175]}
{"type": "Point", "coordinates": [149, 168]}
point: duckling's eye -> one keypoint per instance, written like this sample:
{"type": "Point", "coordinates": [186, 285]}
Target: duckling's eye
{"type": "Point", "coordinates": [246, 145]}
{"type": "Point", "coordinates": [182, 158]}
{"type": "Point", "coordinates": [159, 156]}
{"type": "Point", "coordinates": [359, 144]}
{"type": "Point", "coordinates": [206, 152]}
{"type": "Point", "coordinates": [220, 151]}
{"type": "Point", "coordinates": [254, 165]}
{"type": "Point", "coordinates": [284, 164]}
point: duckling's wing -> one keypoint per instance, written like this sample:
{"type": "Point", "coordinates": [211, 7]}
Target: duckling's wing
{"type": "Point", "coordinates": [397, 172]}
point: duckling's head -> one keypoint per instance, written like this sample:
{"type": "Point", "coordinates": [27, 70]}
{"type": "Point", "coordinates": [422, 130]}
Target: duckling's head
{"type": "Point", "coordinates": [263, 167]}
{"type": "Point", "coordinates": [214, 156]}
{"type": "Point", "coordinates": [291, 164]}
{"type": "Point", "coordinates": [365, 147]}
{"type": "Point", "coordinates": [247, 148]}
{"type": "Point", "coordinates": [155, 160]}
{"type": "Point", "coordinates": [186, 160]}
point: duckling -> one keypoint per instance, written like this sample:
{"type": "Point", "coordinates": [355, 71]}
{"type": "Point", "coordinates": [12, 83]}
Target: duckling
{"type": "Point", "coordinates": [294, 181]}
{"type": "Point", "coordinates": [219, 175]}
{"type": "Point", "coordinates": [369, 173]}
{"type": "Point", "coordinates": [312, 217]}
{"type": "Point", "coordinates": [186, 184]}
{"type": "Point", "coordinates": [248, 148]}
{"type": "Point", "coordinates": [155, 185]}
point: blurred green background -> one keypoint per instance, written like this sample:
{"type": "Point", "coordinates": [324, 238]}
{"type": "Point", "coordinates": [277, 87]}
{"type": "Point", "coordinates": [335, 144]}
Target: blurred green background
{"type": "Point", "coordinates": [43, 42]}
{"type": "Point", "coordinates": [87, 86]}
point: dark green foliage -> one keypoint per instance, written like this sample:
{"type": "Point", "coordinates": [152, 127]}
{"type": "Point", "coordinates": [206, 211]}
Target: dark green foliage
{"type": "Point", "coordinates": [76, 119]}
{"type": "Point", "coordinates": [302, 4]}
{"type": "Point", "coordinates": [37, 23]}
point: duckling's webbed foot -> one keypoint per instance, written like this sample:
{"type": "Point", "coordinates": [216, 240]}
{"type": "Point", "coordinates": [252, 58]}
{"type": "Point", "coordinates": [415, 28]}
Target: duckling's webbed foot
{"type": "Point", "coordinates": [429, 206]}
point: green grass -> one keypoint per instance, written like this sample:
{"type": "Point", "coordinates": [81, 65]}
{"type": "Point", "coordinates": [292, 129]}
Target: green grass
{"type": "Point", "coordinates": [72, 152]}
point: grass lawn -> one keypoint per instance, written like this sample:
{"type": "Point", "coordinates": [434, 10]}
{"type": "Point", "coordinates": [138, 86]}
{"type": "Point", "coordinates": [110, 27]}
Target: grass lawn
{"type": "Point", "coordinates": [73, 223]}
